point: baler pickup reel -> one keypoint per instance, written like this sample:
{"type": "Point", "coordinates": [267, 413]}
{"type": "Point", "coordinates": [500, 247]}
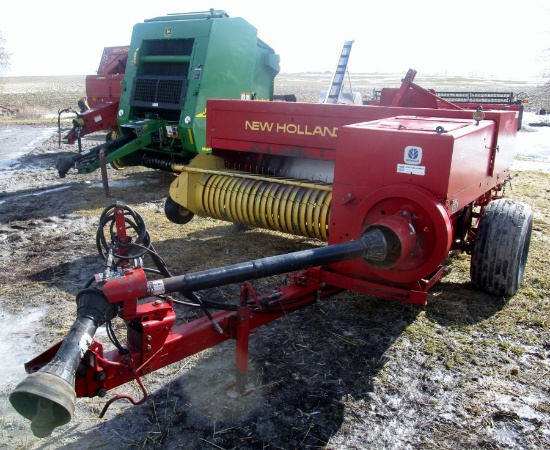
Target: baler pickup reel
{"type": "Point", "coordinates": [78, 366]}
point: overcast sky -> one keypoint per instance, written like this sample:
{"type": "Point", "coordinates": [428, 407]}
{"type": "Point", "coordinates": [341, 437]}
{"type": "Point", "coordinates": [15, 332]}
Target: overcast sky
{"type": "Point", "coordinates": [463, 37]}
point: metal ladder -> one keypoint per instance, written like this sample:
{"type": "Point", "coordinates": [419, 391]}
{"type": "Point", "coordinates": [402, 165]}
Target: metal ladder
{"type": "Point", "coordinates": [338, 77]}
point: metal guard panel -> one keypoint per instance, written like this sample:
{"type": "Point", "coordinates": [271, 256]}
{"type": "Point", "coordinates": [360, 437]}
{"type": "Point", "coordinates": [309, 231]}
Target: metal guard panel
{"type": "Point", "coordinates": [159, 91]}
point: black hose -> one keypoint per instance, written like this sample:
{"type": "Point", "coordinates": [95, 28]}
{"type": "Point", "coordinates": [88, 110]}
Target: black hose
{"type": "Point", "coordinates": [112, 337]}
{"type": "Point", "coordinates": [134, 222]}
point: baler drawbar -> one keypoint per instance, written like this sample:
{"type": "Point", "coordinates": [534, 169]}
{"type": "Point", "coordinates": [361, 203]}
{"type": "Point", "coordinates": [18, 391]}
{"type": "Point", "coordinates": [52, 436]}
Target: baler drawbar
{"type": "Point", "coordinates": [47, 396]}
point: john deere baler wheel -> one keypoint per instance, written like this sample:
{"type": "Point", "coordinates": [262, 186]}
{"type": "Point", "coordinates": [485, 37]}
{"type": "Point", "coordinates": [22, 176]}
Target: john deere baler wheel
{"type": "Point", "coordinates": [501, 247]}
{"type": "Point", "coordinates": [176, 213]}
{"type": "Point", "coordinates": [117, 164]}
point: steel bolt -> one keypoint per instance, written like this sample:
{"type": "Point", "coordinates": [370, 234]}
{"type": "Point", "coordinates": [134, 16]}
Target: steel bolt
{"type": "Point", "coordinates": [102, 393]}
{"type": "Point", "coordinates": [100, 376]}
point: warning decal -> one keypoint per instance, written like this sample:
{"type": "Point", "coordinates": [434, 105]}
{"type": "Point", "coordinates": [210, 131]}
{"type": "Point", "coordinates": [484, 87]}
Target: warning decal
{"type": "Point", "coordinates": [410, 169]}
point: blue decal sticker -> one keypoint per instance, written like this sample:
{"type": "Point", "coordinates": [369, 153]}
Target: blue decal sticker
{"type": "Point", "coordinates": [413, 155]}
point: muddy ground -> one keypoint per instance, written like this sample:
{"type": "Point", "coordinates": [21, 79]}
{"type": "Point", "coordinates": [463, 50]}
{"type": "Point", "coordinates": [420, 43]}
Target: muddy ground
{"type": "Point", "coordinates": [351, 372]}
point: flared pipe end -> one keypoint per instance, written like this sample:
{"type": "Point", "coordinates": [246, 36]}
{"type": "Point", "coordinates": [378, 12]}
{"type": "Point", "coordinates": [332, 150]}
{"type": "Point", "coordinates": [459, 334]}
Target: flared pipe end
{"type": "Point", "coordinates": [47, 400]}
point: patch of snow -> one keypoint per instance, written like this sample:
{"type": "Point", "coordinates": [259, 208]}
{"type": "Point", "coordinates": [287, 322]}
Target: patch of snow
{"type": "Point", "coordinates": [125, 183]}
{"type": "Point", "coordinates": [533, 144]}
{"type": "Point", "coordinates": [21, 329]}
{"type": "Point", "coordinates": [29, 137]}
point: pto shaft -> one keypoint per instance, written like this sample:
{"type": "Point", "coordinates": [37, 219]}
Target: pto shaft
{"type": "Point", "coordinates": [371, 246]}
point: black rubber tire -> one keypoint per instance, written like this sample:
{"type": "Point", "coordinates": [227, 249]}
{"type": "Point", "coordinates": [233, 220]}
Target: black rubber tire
{"type": "Point", "coordinates": [501, 246]}
{"type": "Point", "coordinates": [176, 213]}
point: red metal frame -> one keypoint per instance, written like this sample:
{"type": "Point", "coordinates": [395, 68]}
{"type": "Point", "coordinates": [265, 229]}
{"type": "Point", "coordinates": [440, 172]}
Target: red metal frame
{"type": "Point", "coordinates": [154, 341]}
{"type": "Point", "coordinates": [411, 94]}
{"type": "Point", "coordinates": [105, 86]}
{"type": "Point", "coordinates": [96, 119]}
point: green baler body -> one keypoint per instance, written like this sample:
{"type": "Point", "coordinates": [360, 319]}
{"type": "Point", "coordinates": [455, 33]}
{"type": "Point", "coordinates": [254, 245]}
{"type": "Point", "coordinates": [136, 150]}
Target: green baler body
{"type": "Point", "coordinates": [175, 64]}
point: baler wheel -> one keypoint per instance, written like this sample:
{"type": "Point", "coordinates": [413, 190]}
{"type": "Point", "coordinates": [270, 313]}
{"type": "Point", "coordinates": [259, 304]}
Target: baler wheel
{"type": "Point", "coordinates": [113, 134]}
{"type": "Point", "coordinates": [176, 213]}
{"type": "Point", "coordinates": [501, 246]}
{"type": "Point", "coordinates": [117, 164]}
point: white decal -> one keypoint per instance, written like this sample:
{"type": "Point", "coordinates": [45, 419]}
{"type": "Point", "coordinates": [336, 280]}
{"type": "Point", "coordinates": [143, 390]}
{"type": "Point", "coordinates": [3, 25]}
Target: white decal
{"type": "Point", "coordinates": [85, 341]}
{"type": "Point", "coordinates": [156, 287]}
{"type": "Point", "coordinates": [413, 170]}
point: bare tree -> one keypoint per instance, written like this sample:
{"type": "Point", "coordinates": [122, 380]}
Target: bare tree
{"type": "Point", "coordinates": [4, 56]}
